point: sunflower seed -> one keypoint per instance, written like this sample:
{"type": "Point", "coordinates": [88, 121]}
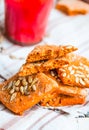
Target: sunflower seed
{"type": "Point", "coordinates": [82, 76]}
{"type": "Point", "coordinates": [77, 79]}
{"type": "Point", "coordinates": [86, 67]}
{"type": "Point", "coordinates": [60, 69]}
{"type": "Point", "coordinates": [34, 87]}
{"type": "Point", "coordinates": [81, 81]}
{"type": "Point", "coordinates": [12, 91]}
{"type": "Point", "coordinates": [65, 66]}
{"type": "Point", "coordinates": [81, 64]}
{"type": "Point", "coordinates": [79, 72]}
{"type": "Point", "coordinates": [9, 85]}
{"type": "Point", "coordinates": [75, 67]}
{"type": "Point", "coordinates": [30, 79]}
{"type": "Point", "coordinates": [86, 80]}
{"type": "Point", "coordinates": [81, 68]}
{"type": "Point", "coordinates": [14, 83]}
{"type": "Point", "coordinates": [70, 68]}
{"type": "Point", "coordinates": [13, 96]}
{"type": "Point", "coordinates": [34, 81]}
{"type": "Point", "coordinates": [72, 72]}
{"type": "Point", "coordinates": [79, 75]}
{"type": "Point", "coordinates": [17, 89]}
{"type": "Point", "coordinates": [24, 82]}
{"type": "Point", "coordinates": [22, 89]}
{"type": "Point", "coordinates": [25, 88]}
{"type": "Point", "coordinates": [17, 82]}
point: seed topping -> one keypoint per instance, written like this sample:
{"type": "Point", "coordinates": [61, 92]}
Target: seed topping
{"type": "Point", "coordinates": [12, 91]}
{"type": "Point", "coordinates": [34, 87]}
{"type": "Point", "coordinates": [22, 90]}
{"type": "Point", "coordinates": [30, 79]}
{"type": "Point", "coordinates": [17, 82]}
{"type": "Point", "coordinates": [24, 85]}
{"type": "Point", "coordinates": [24, 82]}
{"type": "Point", "coordinates": [75, 74]}
{"type": "Point", "coordinates": [13, 96]}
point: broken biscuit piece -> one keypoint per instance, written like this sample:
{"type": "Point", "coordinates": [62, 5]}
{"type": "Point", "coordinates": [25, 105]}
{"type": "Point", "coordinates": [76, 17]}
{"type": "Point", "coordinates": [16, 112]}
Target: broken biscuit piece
{"type": "Point", "coordinates": [46, 52]}
{"type": "Point", "coordinates": [73, 7]}
{"type": "Point", "coordinates": [33, 68]}
{"type": "Point", "coordinates": [76, 73]}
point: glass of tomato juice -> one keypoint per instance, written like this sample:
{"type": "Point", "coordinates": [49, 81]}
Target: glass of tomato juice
{"type": "Point", "coordinates": [26, 20]}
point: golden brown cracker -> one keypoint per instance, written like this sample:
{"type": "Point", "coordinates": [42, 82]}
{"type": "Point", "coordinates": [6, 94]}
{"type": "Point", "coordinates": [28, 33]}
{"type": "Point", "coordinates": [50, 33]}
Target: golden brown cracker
{"type": "Point", "coordinates": [71, 91]}
{"type": "Point", "coordinates": [46, 52]}
{"type": "Point", "coordinates": [72, 101]}
{"type": "Point", "coordinates": [33, 68]}
{"type": "Point", "coordinates": [21, 93]}
{"type": "Point", "coordinates": [56, 100]}
{"type": "Point", "coordinates": [76, 73]}
{"type": "Point", "coordinates": [63, 93]}
{"type": "Point", "coordinates": [73, 7]}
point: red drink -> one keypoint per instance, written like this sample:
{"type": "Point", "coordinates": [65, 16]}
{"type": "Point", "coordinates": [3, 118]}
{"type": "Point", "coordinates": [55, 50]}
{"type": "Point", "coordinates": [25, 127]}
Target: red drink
{"type": "Point", "coordinates": [26, 20]}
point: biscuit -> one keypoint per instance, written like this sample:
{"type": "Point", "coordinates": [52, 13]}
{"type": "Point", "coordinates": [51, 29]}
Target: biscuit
{"type": "Point", "coordinates": [33, 68]}
{"type": "Point", "coordinates": [21, 93]}
{"type": "Point", "coordinates": [62, 94]}
{"type": "Point", "coordinates": [66, 89]}
{"type": "Point", "coordinates": [71, 91]}
{"type": "Point", "coordinates": [56, 100]}
{"type": "Point", "coordinates": [46, 52]}
{"type": "Point", "coordinates": [73, 7]}
{"type": "Point", "coordinates": [72, 100]}
{"type": "Point", "coordinates": [76, 73]}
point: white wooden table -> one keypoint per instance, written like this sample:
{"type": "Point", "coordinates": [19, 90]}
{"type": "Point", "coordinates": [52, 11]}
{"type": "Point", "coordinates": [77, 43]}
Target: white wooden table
{"type": "Point", "coordinates": [61, 29]}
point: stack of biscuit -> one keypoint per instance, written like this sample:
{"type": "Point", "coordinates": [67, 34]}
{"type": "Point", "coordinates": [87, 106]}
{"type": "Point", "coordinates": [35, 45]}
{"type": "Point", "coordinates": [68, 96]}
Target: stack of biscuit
{"type": "Point", "coordinates": [51, 76]}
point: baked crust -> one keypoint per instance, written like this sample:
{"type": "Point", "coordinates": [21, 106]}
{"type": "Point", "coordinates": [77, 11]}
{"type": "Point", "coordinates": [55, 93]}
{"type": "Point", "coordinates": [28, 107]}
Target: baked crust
{"type": "Point", "coordinates": [22, 102]}
{"type": "Point", "coordinates": [46, 52]}
{"type": "Point", "coordinates": [56, 100]}
{"type": "Point", "coordinates": [65, 95]}
{"type": "Point", "coordinates": [73, 7]}
{"type": "Point", "coordinates": [76, 73]}
{"type": "Point", "coordinates": [33, 68]}
{"type": "Point", "coordinates": [48, 78]}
